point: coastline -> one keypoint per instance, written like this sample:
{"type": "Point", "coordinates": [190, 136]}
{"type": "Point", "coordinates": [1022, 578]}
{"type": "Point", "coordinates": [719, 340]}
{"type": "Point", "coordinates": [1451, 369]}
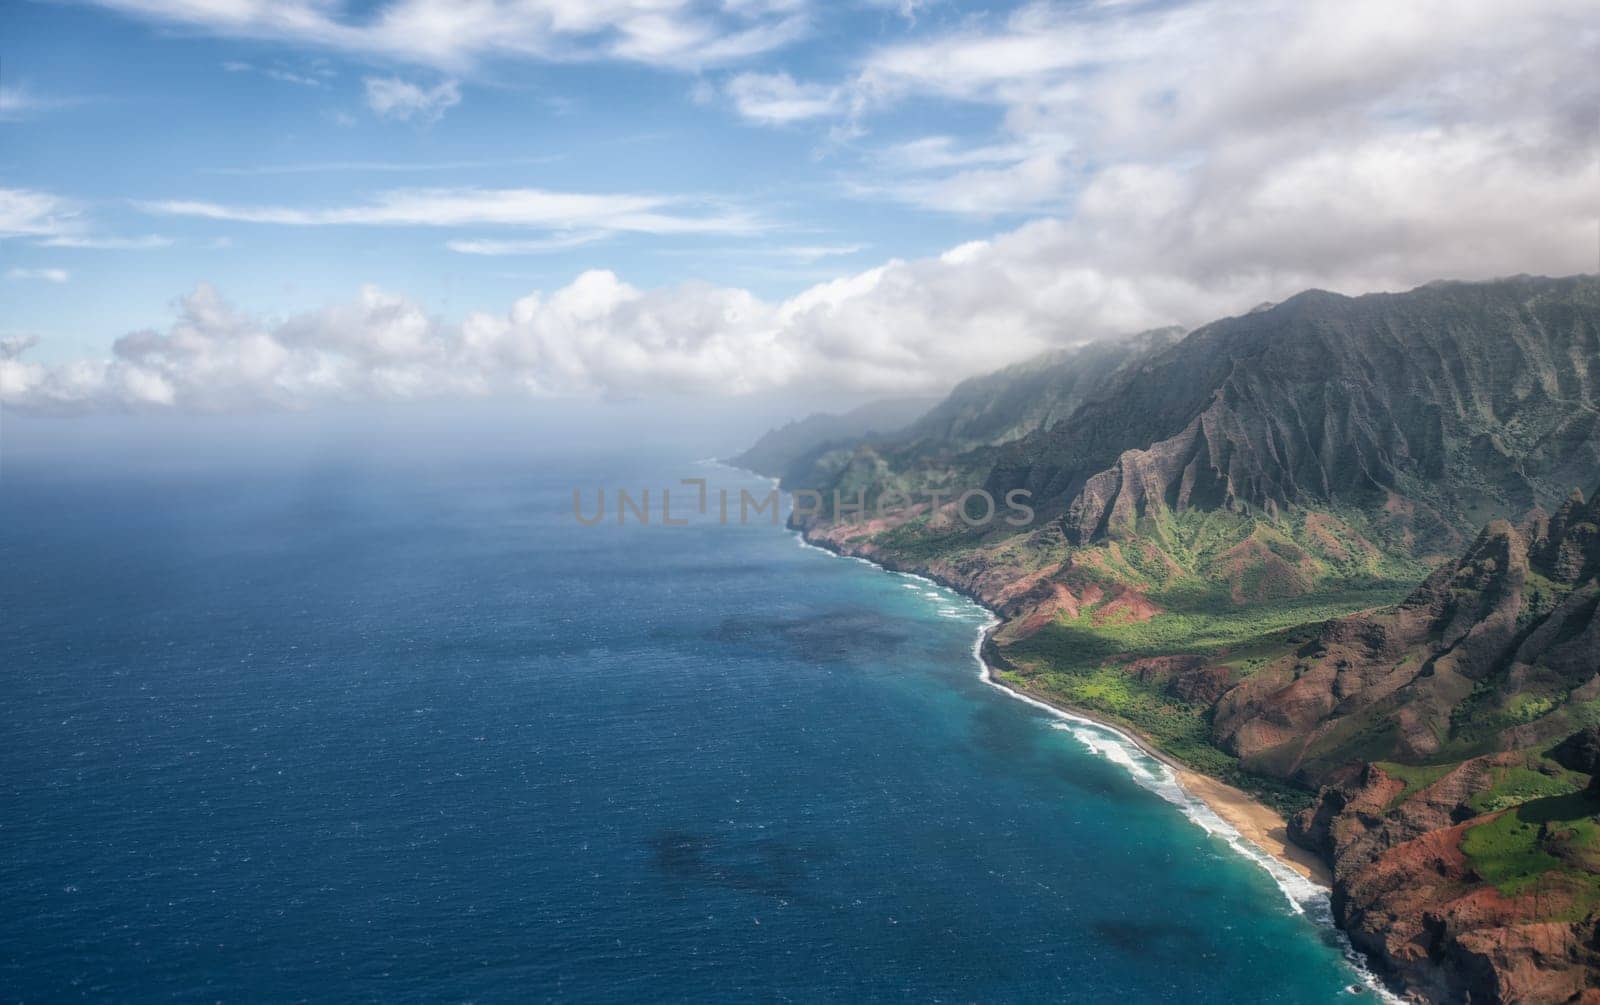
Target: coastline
{"type": "Point", "coordinates": [1258, 825]}
{"type": "Point", "coordinates": [1255, 821]}
{"type": "Point", "coordinates": [1251, 828]}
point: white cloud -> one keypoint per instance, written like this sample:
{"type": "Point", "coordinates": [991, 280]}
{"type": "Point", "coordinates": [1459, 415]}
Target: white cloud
{"type": "Point", "coordinates": [279, 73]}
{"type": "Point", "coordinates": [1224, 90]}
{"type": "Point", "coordinates": [907, 9]}
{"type": "Point", "coordinates": [393, 98]}
{"type": "Point", "coordinates": [905, 326]}
{"type": "Point", "coordinates": [522, 207]}
{"type": "Point", "coordinates": [776, 99]}
{"type": "Point", "coordinates": [378, 167]}
{"type": "Point", "coordinates": [807, 253]}
{"type": "Point", "coordinates": [1390, 149]}
{"type": "Point", "coordinates": [1036, 183]}
{"type": "Point", "coordinates": [41, 275]}
{"type": "Point", "coordinates": [538, 246]}
{"type": "Point", "coordinates": [19, 102]}
{"type": "Point", "coordinates": [13, 346]}
{"type": "Point", "coordinates": [1351, 146]}
{"type": "Point", "coordinates": [30, 213]}
{"type": "Point", "coordinates": [15, 103]}
{"type": "Point", "coordinates": [453, 35]}
{"type": "Point", "coordinates": [930, 153]}
{"type": "Point", "coordinates": [52, 221]}
{"type": "Point", "coordinates": [107, 242]}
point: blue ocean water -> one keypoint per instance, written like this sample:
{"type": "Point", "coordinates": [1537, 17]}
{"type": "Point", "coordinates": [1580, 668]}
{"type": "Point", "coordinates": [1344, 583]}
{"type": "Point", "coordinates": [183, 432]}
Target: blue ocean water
{"type": "Point", "coordinates": [408, 732]}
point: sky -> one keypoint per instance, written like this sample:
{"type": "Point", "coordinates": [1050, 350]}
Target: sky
{"type": "Point", "coordinates": [220, 206]}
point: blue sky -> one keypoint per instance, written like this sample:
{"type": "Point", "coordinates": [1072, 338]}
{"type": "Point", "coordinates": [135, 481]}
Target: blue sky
{"type": "Point", "coordinates": [134, 111]}
{"type": "Point", "coordinates": [313, 199]}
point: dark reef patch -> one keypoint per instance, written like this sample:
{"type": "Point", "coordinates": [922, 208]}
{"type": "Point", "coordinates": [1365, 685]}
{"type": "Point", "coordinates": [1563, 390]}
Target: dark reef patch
{"type": "Point", "coordinates": [832, 637]}
{"type": "Point", "coordinates": [1152, 940]}
{"type": "Point", "coordinates": [764, 867]}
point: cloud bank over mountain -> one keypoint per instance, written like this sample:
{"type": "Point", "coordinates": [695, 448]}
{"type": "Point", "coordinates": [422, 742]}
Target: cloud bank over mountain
{"type": "Point", "coordinates": [1179, 162]}
{"type": "Point", "coordinates": [906, 326]}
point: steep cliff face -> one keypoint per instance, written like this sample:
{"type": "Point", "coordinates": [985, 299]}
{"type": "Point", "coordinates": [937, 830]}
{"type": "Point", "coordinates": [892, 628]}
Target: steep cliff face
{"type": "Point", "coordinates": [1474, 879]}
{"type": "Point", "coordinates": [1487, 654]}
{"type": "Point", "coordinates": [1463, 906]}
{"type": "Point", "coordinates": [1438, 406]}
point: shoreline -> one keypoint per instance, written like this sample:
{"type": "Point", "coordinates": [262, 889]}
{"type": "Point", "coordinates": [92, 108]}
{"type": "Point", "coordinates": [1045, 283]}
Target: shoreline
{"type": "Point", "coordinates": [1257, 824]}
{"type": "Point", "coordinates": [1253, 829]}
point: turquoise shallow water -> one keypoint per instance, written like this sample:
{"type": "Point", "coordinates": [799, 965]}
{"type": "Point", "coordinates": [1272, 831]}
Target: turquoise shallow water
{"type": "Point", "coordinates": [406, 732]}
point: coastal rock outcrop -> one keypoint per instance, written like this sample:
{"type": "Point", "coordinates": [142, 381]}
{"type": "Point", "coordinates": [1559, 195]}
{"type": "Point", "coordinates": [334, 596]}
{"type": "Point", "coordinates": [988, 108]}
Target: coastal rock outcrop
{"type": "Point", "coordinates": [1420, 884]}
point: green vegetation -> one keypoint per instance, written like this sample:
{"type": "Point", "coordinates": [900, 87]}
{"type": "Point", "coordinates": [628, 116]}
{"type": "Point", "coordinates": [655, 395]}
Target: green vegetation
{"type": "Point", "coordinates": [1178, 730]}
{"type": "Point", "coordinates": [1415, 777]}
{"type": "Point", "coordinates": [1482, 715]}
{"type": "Point", "coordinates": [1523, 783]}
{"type": "Point", "coordinates": [1548, 849]}
{"type": "Point", "coordinates": [1196, 624]}
{"type": "Point", "coordinates": [1195, 577]}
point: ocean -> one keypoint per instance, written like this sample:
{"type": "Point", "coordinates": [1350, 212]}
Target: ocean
{"type": "Point", "coordinates": [313, 729]}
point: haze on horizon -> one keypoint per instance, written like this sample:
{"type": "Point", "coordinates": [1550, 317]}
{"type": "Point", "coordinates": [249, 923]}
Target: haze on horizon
{"type": "Point", "coordinates": [219, 207]}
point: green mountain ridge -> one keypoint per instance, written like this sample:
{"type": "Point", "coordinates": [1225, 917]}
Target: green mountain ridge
{"type": "Point", "coordinates": [1466, 399]}
{"type": "Point", "coordinates": [1009, 404]}
{"type": "Point", "coordinates": [1331, 550]}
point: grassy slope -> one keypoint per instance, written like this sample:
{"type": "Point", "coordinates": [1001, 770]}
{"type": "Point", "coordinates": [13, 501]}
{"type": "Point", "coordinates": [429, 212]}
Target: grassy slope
{"type": "Point", "coordinates": [1079, 663]}
{"type": "Point", "coordinates": [1546, 848]}
{"type": "Point", "coordinates": [1237, 589]}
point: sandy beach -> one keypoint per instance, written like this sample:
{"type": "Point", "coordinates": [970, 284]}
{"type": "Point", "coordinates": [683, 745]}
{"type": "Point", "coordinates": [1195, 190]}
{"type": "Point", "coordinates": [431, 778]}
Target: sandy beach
{"type": "Point", "coordinates": [1258, 823]}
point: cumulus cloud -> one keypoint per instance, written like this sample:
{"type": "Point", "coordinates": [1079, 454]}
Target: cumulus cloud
{"type": "Point", "coordinates": [403, 101]}
{"type": "Point", "coordinates": [452, 35]}
{"type": "Point", "coordinates": [595, 334]}
{"type": "Point", "coordinates": [903, 327]}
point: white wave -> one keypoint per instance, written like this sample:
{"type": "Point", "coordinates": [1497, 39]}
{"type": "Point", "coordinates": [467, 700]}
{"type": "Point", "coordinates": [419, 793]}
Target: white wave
{"type": "Point", "coordinates": [712, 462]}
{"type": "Point", "coordinates": [800, 539]}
